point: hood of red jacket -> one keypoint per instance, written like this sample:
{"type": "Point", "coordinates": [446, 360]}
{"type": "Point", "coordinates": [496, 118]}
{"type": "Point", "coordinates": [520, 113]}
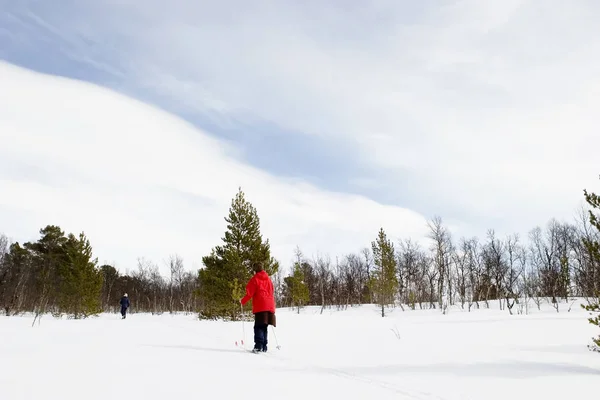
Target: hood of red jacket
{"type": "Point", "coordinates": [262, 275]}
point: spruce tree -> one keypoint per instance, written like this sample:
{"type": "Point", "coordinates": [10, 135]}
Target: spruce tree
{"type": "Point", "coordinates": [384, 280]}
{"type": "Point", "coordinates": [230, 265]}
{"type": "Point", "coordinates": [593, 248]}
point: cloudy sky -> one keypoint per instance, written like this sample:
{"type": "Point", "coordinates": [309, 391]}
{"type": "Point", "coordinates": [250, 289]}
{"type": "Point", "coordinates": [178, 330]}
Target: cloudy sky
{"type": "Point", "coordinates": [136, 123]}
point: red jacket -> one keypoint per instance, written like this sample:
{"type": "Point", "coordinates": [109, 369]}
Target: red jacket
{"type": "Point", "coordinates": [260, 290]}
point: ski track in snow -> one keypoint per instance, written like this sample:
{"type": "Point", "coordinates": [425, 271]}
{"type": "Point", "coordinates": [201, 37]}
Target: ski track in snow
{"type": "Point", "coordinates": [350, 354]}
{"type": "Point", "coordinates": [417, 395]}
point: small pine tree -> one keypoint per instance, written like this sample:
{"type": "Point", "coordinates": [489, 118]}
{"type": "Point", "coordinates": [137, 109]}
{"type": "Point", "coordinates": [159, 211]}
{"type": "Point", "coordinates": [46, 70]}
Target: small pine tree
{"type": "Point", "coordinates": [80, 279]}
{"type": "Point", "coordinates": [384, 279]}
{"type": "Point", "coordinates": [296, 288]}
{"type": "Point", "coordinates": [213, 281]}
{"type": "Point", "coordinates": [229, 266]}
{"type": "Point", "coordinates": [593, 248]}
{"type": "Point", "coordinates": [237, 292]}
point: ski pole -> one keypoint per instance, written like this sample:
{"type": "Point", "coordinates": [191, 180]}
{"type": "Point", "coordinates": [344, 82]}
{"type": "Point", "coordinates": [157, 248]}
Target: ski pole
{"type": "Point", "coordinates": [276, 341]}
{"type": "Point", "coordinates": [243, 326]}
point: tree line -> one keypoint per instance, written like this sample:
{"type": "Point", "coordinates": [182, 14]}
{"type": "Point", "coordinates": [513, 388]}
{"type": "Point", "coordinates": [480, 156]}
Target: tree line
{"type": "Point", "coordinates": [554, 265]}
{"type": "Point", "coordinates": [57, 274]}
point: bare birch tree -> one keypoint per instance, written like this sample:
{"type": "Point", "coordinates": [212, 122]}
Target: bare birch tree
{"type": "Point", "coordinates": [442, 250]}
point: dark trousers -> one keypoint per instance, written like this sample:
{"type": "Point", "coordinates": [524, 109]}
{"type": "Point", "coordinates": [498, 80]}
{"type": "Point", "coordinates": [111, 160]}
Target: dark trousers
{"type": "Point", "coordinates": [261, 323]}
{"type": "Point", "coordinates": [123, 312]}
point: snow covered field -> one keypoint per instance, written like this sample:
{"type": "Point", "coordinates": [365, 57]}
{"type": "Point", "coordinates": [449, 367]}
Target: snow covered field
{"type": "Point", "coordinates": [352, 354]}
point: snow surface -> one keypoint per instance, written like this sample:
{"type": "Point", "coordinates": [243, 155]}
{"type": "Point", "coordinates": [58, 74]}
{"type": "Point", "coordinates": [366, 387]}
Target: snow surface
{"type": "Point", "coordinates": [350, 354]}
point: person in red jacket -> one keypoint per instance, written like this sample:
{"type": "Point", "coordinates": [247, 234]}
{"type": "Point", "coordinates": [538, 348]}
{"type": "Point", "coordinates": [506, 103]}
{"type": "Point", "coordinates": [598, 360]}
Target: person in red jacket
{"type": "Point", "coordinates": [260, 290]}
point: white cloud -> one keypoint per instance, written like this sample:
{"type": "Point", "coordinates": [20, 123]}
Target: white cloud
{"type": "Point", "coordinates": [492, 106]}
{"type": "Point", "coordinates": [141, 182]}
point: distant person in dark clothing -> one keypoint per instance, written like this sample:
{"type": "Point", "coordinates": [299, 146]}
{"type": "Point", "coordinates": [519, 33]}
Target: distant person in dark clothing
{"type": "Point", "coordinates": [260, 291]}
{"type": "Point", "coordinates": [124, 305]}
